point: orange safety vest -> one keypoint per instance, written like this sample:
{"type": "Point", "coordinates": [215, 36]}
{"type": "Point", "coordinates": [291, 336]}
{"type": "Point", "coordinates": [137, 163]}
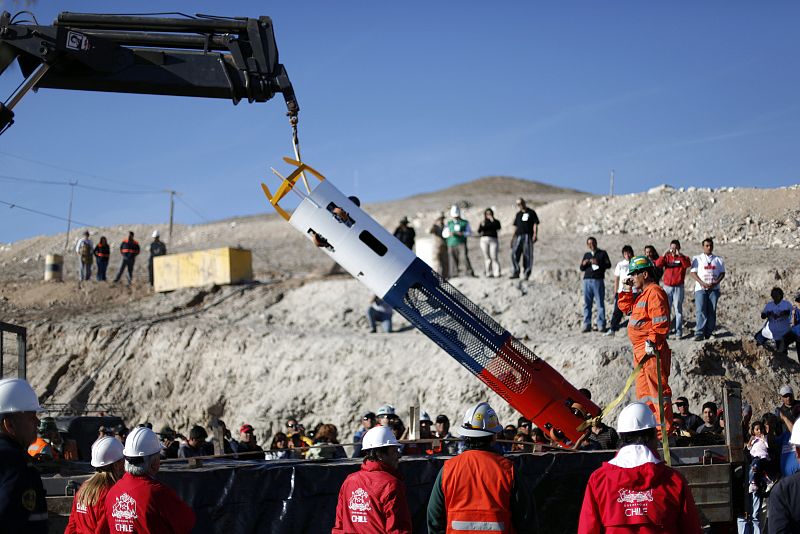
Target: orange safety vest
{"type": "Point", "coordinates": [477, 487]}
{"type": "Point", "coordinates": [129, 247]}
{"type": "Point", "coordinates": [40, 446]}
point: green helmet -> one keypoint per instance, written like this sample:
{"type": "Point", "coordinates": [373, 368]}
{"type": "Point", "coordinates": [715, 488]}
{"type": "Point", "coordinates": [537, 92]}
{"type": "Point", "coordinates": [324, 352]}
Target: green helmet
{"type": "Point", "coordinates": [47, 424]}
{"type": "Point", "coordinates": [639, 263]}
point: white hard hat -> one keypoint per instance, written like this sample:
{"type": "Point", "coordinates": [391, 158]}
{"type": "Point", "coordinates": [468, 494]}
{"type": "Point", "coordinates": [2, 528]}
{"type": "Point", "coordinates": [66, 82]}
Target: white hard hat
{"type": "Point", "coordinates": [16, 395]}
{"type": "Point", "coordinates": [106, 451]}
{"type": "Point", "coordinates": [794, 439]}
{"type": "Point", "coordinates": [141, 442]}
{"type": "Point", "coordinates": [455, 211]}
{"type": "Point", "coordinates": [386, 409]}
{"type": "Point", "coordinates": [480, 420]}
{"type": "Point", "coordinates": [155, 233]}
{"type": "Point", "coordinates": [636, 416]}
{"type": "Point", "coordinates": [423, 416]}
{"type": "Point", "coordinates": [379, 436]}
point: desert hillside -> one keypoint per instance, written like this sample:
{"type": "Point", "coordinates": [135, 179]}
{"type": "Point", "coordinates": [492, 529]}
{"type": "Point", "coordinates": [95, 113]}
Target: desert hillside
{"type": "Point", "coordinates": [295, 342]}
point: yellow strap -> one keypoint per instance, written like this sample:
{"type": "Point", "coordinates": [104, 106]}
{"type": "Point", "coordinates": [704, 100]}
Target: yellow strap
{"type": "Point", "coordinates": [664, 437]}
{"type": "Point", "coordinates": [613, 404]}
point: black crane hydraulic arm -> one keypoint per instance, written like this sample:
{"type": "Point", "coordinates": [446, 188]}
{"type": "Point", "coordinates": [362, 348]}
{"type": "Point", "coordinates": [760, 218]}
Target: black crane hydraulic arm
{"type": "Point", "coordinates": [202, 56]}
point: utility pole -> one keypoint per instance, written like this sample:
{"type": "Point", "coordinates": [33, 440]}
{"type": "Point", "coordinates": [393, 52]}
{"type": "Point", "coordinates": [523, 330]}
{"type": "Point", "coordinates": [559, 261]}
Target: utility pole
{"type": "Point", "coordinates": [171, 212]}
{"type": "Point", "coordinates": [69, 212]}
{"type": "Point", "coordinates": [612, 183]}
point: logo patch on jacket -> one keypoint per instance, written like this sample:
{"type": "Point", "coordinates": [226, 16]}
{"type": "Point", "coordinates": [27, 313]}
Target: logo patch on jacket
{"type": "Point", "coordinates": [124, 508]}
{"type": "Point", "coordinates": [635, 502]}
{"type": "Point", "coordinates": [359, 501]}
{"type": "Point", "coordinates": [29, 500]}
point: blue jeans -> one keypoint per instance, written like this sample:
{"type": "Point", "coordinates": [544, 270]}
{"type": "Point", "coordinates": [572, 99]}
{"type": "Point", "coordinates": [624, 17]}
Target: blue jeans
{"type": "Point", "coordinates": [374, 316]}
{"type": "Point", "coordinates": [86, 271]}
{"type": "Point", "coordinates": [675, 295]}
{"type": "Point", "coordinates": [102, 265]}
{"type": "Point", "coordinates": [706, 303]}
{"type": "Point", "coordinates": [594, 291]}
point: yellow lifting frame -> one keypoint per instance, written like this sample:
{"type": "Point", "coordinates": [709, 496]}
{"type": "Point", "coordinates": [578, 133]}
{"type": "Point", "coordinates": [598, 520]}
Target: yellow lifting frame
{"type": "Point", "coordinates": [288, 184]}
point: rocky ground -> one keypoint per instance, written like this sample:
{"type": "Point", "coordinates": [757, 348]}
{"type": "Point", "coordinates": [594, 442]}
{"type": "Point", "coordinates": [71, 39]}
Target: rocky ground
{"type": "Point", "coordinates": [295, 341]}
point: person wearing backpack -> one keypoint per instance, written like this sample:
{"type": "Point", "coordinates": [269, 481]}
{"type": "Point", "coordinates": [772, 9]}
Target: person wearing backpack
{"type": "Point", "coordinates": [84, 248]}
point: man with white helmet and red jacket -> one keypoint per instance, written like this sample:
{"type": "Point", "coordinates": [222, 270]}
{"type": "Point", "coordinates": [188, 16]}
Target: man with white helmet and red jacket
{"type": "Point", "coordinates": [636, 491]}
{"type": "Point", "coordinates": [138, 502]}
{"type": "Point", "coordinates": [22, 499]}
{"type": "Point", "coordinates": [479, 490]}
{"type": "Point", "coordinates": [373, 499]}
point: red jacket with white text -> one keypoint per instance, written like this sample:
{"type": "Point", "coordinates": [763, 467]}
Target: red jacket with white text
{"type": "Point", "coordinates": [373, 501]}
{"type": "Point", "coordinates": [88, 519]}
{"type": "Point", "coordinates": [636, 492]}
{"type": "Point", "coordinates": [143, 505]}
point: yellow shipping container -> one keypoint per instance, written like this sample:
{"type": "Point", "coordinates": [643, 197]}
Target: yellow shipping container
{"type": "Point", "coordinates": [201, 268]}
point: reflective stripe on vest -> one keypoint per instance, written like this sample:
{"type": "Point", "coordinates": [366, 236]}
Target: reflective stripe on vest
{"type": "Point", "coordinates": [482, 526]}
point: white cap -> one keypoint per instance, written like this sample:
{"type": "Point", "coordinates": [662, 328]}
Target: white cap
{"type": "Point", "coordinates": [141, 442]}
{"type": "Point", "coordinates": [386, 409]}
{"type": "Point", "coordinates": [455, 211]}
{"type": "Point", "coordinates": [479, 421]}
{"type": "Point", "coordinates": [786, 390]}
{"type": "Point", "coordinates": [423, 416]}
{"type": "Point", "coordinates": [379, 436]}
{"type": "Point", "coordinates": [16, 395]}
{"type": "Point", "coordinates": [106, 451]}
{"type": "Point", "coordinates": [636, 416]}
{"type": "Point", "coordinates": [155, 233]}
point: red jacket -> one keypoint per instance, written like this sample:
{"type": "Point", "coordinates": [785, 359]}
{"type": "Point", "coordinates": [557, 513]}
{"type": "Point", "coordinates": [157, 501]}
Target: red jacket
{"type": "Point", "coordinates": [88, 519]}
{"type": "Point", "coordinates": [648, 498]}
{"type": "Point", "coordinates": [373, 501]}
{"type": "Point", "coordinates": [144, 505]}
{"type": "Point", "coordinates": [675, 267]}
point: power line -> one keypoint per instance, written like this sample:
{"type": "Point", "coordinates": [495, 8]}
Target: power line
{"type": "Point", "coordinates": [74, 184]}
{"type": "Point", "coordinates": [11, 205]}
{"type": "Point", "coordinates": [73, 171]}
{"type": "Point", "coordinates": [180, 198]}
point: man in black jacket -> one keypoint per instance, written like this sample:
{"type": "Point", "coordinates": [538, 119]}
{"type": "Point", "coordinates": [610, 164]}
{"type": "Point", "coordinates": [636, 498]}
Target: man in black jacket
{"type": "Point", "coordinates": [594, 265]}
{"type": "Point", "coordinates": [22, 497]}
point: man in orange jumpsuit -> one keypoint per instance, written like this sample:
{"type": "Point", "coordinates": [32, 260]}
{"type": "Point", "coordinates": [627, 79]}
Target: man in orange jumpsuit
{"type": "Point", "coordinates": [647, 329]}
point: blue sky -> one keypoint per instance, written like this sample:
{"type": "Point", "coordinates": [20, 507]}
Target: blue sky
{"type": "Point", "coordinates": [406, 97]}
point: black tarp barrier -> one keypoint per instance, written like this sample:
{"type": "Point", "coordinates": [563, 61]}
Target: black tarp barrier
{"type": "Point", "coordinates": [294, 496]}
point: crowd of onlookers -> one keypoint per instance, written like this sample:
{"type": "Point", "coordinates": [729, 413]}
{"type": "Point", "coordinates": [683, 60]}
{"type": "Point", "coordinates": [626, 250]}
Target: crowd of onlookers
{"type": "Point", "coordinates": [90, 254]}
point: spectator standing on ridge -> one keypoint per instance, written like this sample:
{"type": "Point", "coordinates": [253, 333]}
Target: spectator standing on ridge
{"type": "Point", "coordinates": [620, 275]}
{"type": "Point", "coordinates": [129, 250]}
{"type": "Point", "coordinates": [479, 486]}
{"type": "Point", "coordinates": [89, 505]}
{"type": "Point", "coordinates": [368, 420]}
{"type": "Point", "coordinates": [169, 443]}
{"type": "Point", "coordinates": [449, 444]}
{"type": "Point", "coordinates": [280, 450]}
{"type": "Point", "coordinates": [778, 315]}
{"type": "Point", "coordinates": [379, 311]}
{"type": "Point", "coordinates": [691, 422]}
{"type": "Point", "coordinates": [405, 233]}
{"type": "Point", "coordinates": [787, 403]}
{"type": "Point", "coordinates": [488, 230]}
{"type": "Point", "coordinates": [675, 266]}
{"type": "Point", "coordinates": [84, 248]}
{"type": "Point", "coordinates": [157, 248]}
{"type": "Point", "coordinates": [139, 502]}
{"type": "Point", "coordinates": [647, 329]}
{"type": "Point", "coordinates": [102, 252]}
{"type": "Point", "coordinates": [439, 246]}
{"type": "Point", "coordinates": [456, 233]}
{"type": "Point", "coordinates": [373, 499]}
{"type": "Point", "coordinates": [710, 420]}
{"type": "Point", "coordinates": [248, 444]}
{"type": "Point", "coordinates": [23, 507]}
{"type": "Point", "coordinates": [326, 441]}
{"type": "Point", "coordinates": [636, 491]}
{"type": "Point", "coordinates": [526, 233]}
{"type": "Point", "coordinates": [594, 265]}
{"type": "Point", "coordinates": [708, 271]}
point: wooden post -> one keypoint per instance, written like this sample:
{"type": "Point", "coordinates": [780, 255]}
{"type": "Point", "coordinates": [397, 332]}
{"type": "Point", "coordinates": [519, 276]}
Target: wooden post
{"type": "Point", "coordinates": [413, 423]}
{"type": "Point", "coordinates": [732, 405]}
